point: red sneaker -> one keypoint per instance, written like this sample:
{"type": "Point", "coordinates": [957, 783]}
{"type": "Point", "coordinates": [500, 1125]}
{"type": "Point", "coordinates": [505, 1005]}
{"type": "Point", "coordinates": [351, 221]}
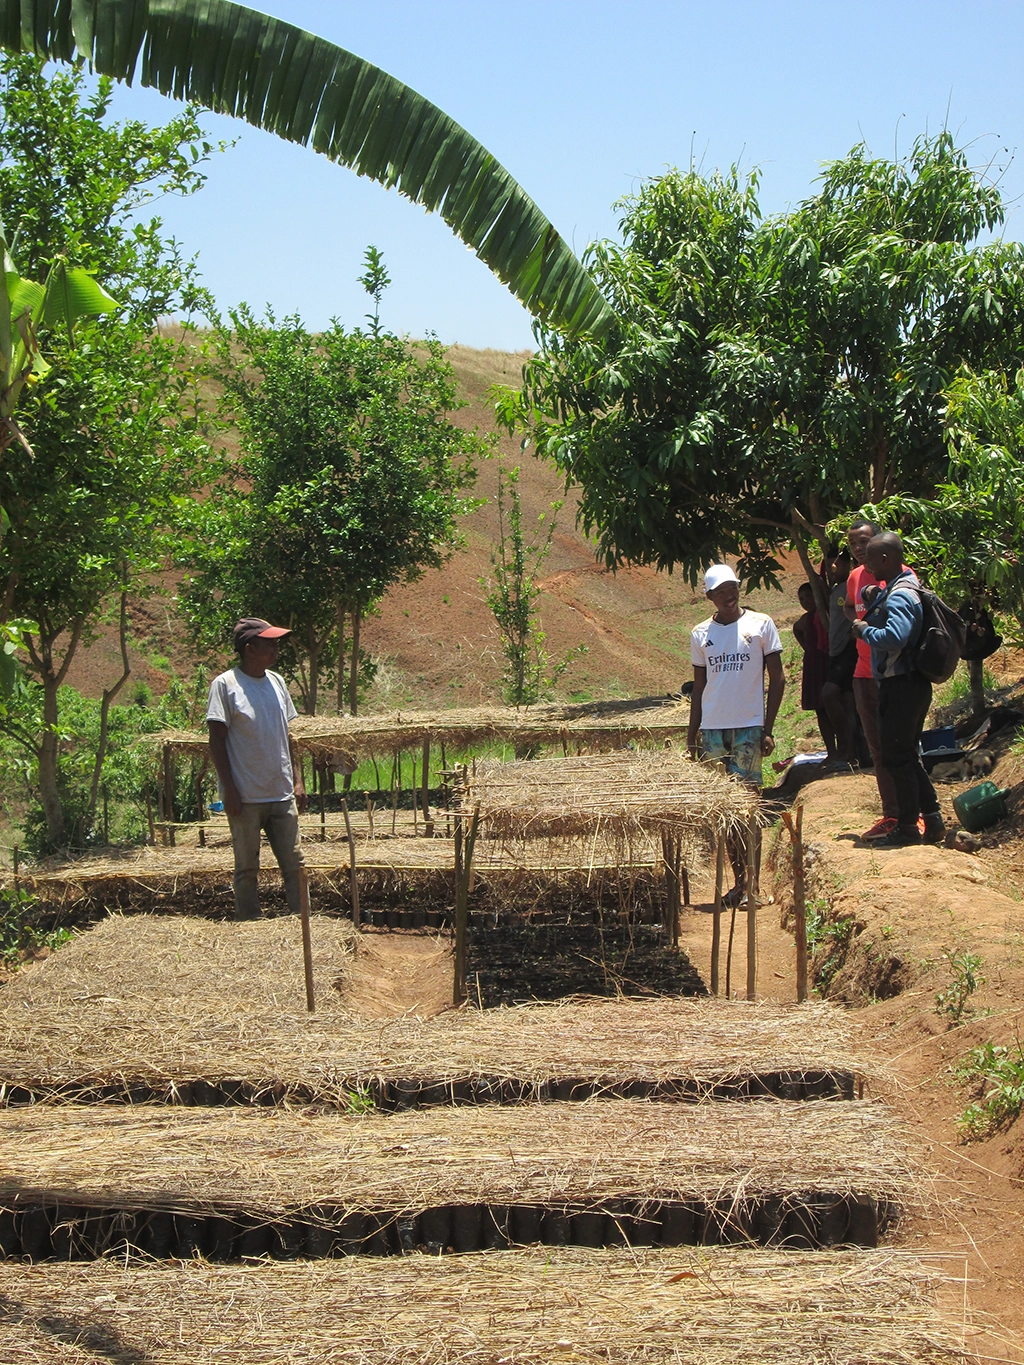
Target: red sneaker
{"type": "Point", "coordinates": [880, 829]}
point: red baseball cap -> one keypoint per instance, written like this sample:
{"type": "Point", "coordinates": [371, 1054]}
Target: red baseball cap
{"type": "Point", "coordinates": [254, 628]}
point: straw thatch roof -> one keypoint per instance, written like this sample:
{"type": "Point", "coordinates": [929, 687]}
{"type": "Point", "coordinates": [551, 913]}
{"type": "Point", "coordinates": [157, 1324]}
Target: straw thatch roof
{"type": "Point", "coordinates": [630, 799]}
{"type": "Point", "coordinates": [531, 1307]}
{"type": "Point", "coordinates": [163, 1001]}
{"type": "Point", "coordinates": [274, 1165]}
{"type": "Point", "coordinates": [594, 727]}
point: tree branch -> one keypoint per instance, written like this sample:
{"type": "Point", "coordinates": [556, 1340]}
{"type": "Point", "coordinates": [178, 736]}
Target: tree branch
{"type": "Point", "coordinates": [69, 653]}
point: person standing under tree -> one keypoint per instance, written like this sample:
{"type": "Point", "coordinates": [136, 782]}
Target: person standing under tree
{"type": "Point", "coordinates": [730, 721]}
{"type": "Point", "coordinates": [260, 782]}
{"type": "Point", "coordinates": [891, 628]}
{"type": "Point", "coordinates": [812, 637]}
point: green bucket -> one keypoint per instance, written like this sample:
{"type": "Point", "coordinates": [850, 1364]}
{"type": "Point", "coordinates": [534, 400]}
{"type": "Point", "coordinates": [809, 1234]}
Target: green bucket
{"type": "Point", "coordinates": [981, 806]}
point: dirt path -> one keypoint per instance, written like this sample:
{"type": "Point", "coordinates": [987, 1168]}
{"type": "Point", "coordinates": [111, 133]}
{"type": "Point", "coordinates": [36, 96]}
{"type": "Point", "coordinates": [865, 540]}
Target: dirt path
{"type": "Point", "coordinates": [395, 973]}
{"type": "Point", "coordinates": [904, 907]}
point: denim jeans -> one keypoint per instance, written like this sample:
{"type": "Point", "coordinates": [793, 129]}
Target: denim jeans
{"type": "Point", "coordinates": [281, 821]}
{"type": "Point", "coordinates": [903, 704]}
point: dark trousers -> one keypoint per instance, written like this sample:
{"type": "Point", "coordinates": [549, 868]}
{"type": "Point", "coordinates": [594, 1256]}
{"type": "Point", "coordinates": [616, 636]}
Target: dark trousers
{"type": "Point", "coordinates": [903, 704]}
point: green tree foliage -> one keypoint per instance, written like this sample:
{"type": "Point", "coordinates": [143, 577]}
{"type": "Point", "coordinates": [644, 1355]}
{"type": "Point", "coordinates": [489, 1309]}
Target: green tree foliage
{"type": "Point", "coordinates": [351, 480]}
{"type": "Point", "coordinates": [115, 444]}
{"type": "Point", "coordinates": [968, 538]}
{"type": "Point", "coordinates": [769, 373]}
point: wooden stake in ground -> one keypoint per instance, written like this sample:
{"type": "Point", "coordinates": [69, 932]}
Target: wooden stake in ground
{"type": "Point", "coordinates": [149, 817]}
{"type": "Point", "coordinates": [753, 838]}
{"type": "Point", "coordinates": [307, 944]}
{"type": "Point", "coordinates": [353, 875]}
{"type": "Point", "coordinates": [796, 833]}
{"type": "Point", "coordinates": [465, 842]}
{"type": "Point", "coordinates": [716, 928]}
{"type": "Point", "coordinates": [426, 781]}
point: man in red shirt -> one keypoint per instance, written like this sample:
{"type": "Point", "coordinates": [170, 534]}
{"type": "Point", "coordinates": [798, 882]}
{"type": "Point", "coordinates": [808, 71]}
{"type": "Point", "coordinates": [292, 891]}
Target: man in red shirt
{"type": "Point", "coordinates": [865, 688]}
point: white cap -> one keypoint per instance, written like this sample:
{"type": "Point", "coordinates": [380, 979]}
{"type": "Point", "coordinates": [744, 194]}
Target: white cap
{"type": "Point", "coordinates": [717, 575]}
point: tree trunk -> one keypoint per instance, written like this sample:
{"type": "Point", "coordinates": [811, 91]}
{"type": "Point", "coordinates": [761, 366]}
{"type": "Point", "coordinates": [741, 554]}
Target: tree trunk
{"type": "Point", "coordinates": [813, 577]}
{"type": "Point", "coordinates": [353, 668]}
{"type": "Point", "coordinates": [976, 669]}
{"type": "Point", "coordinates": [341, 658]}
{"type": "Point", "coordinates": [314, 672]}
{"type": "Point", "coordinates": [109, 693]}
{"type": "Point", "coordinates": [49, 792]}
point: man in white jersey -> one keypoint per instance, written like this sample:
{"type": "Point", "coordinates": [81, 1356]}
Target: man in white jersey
{"type": "Point", "coordinates": [731, 652]}
{"type": "Point", "coordinates": [260, 784]}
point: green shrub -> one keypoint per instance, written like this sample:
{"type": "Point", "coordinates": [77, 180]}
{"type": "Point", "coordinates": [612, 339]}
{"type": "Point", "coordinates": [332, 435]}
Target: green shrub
{"type": "Point", "coordinates": [19, 937]}
{"type": "Point", "coordinates": [828, 941]}
{"type": "Point", "coordinates": [965, 970]}
{"type": "Point", "coordinates": [1000, 1072]}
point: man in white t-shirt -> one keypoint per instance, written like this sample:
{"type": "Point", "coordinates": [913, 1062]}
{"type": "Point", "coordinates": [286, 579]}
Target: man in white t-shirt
{"type": "Point", "coordinates": [260, 784]}
{"type": "Point", "coordinates": [731, 652]}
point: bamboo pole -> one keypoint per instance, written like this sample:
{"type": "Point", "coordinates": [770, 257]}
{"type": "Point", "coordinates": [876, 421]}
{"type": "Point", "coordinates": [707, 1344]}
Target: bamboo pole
{"type": "Point", "coordinates": [353, 875]}
{"type": "Point", "coordinates": [796, 831]}
{"type": "Point", "coordinates": [753, 835]}
{"type": "Point", "coordinates": [307, 944]}
{"type": "Point", "coordinates": [716, 929]}
{"type": "Point", "coordinates": [465, 842]}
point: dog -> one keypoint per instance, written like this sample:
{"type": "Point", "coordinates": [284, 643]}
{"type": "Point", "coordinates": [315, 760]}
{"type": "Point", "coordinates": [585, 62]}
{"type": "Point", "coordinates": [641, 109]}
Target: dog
{"type": "Point", "coordinates": [978, 763]}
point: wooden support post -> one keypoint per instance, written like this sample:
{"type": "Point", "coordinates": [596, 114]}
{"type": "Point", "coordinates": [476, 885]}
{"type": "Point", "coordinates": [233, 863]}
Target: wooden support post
{"type": "Point", "coordinates": [369, 814]}
{"type": "Point", "coordinates": [149, 817]}
{"type": "Point", "coordinates": [465, 842]}
{"type": "Point", "coordinates": [323, 809]}
{"type": "Point", "coordinates": [168, 783]}
{"type": "Point", "coordinates": [796, 833]}
{"type": "Point", "coordinates": [753, 839]}
{"type": "Point", "coordinates": [396, 771]}
{"type": "Point", "coordinates": [307, 943]}
{"type": "Point", "coordinates": [17, 878]}
{"type": "Point", "coordinates": [353, 875]}
{"type": "Point", "coordinates": [716, 927]}
{"type": "Point", "coordinates": [106, 819]}
{"type": "Point", "coordinates": [415, 803]}
{"type": "Point", "coordinates": [425, 800]}
{"type": "Point", "coordinates": [686, 886]}
{"type": "Point", "coordinates": [202, 837]}
{"type": "Point", "coordinates": [172, 839]}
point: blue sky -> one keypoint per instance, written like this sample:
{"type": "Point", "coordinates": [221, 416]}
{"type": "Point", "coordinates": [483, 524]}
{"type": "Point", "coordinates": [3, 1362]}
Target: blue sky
{"type": "Point", "coordinates": [582, 101]}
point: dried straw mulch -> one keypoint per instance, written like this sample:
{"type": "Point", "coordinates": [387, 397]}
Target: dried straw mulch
{"type": "Point", "coordinates": [594, 726]}
{"type": "Point", "coordinates": [272, 1164]}
{"type": "Point", "coordinates": [630, 800]}
{"type": "Point", "coordinates": [530, 1307]}
{"type": "Point", "coordinates": [163, 1000]}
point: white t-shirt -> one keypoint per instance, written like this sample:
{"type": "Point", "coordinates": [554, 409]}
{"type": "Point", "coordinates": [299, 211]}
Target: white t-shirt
{"type": "Point", "coordinates": [734, 657]}
{"type": "Point", "coordinates": [256, 712]}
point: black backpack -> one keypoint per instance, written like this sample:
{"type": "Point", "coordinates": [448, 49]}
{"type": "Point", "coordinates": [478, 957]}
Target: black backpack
{"type": "Point", "coordinates": [943, 638]}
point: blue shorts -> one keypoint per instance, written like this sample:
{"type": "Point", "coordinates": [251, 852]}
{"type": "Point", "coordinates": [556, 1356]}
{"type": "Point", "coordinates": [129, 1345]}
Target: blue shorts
{"type": "Point", "coordinates": [738, 751]}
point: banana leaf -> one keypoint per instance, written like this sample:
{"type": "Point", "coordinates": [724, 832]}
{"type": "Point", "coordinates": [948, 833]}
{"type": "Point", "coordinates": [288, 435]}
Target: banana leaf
{"type": "Point", "coordinates": [306, 90]}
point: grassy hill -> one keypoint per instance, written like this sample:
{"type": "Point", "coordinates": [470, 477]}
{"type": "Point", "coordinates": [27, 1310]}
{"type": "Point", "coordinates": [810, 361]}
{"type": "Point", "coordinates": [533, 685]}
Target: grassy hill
{"type": "Point", "coordinates": [436, 640]}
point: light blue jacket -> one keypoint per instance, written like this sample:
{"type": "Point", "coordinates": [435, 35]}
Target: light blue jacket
{"type": "Point", "coordinates": [892, 626]}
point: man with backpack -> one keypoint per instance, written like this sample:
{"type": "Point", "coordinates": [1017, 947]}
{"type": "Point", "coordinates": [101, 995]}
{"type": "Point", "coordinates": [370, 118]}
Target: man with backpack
{"type": "Point", "coordinates": [893, 628]}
